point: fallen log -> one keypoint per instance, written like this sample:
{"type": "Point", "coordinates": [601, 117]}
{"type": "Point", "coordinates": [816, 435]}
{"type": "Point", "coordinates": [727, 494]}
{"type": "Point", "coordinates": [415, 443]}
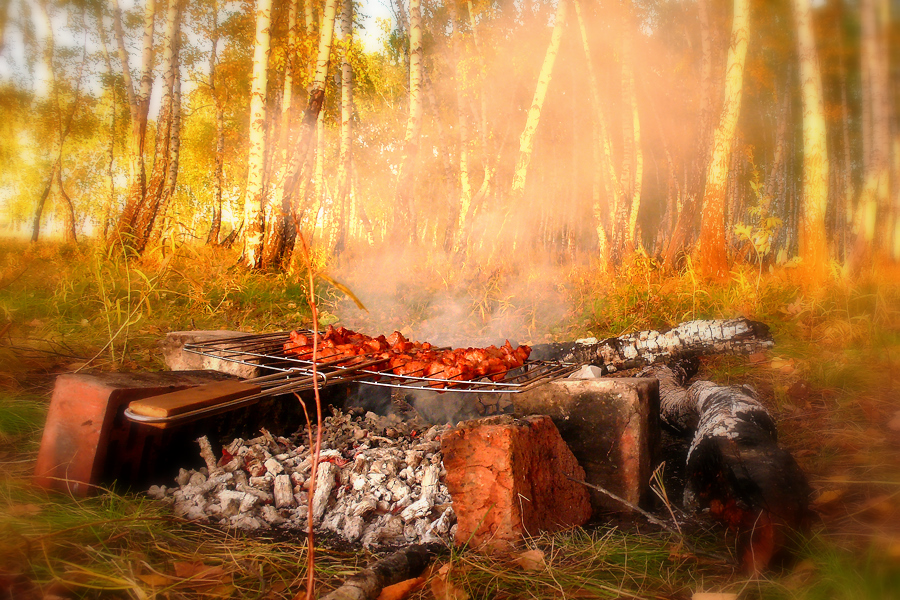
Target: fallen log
{"type": "Point", "coordinates": [393, 568]}
{"type": "Point", "coordinates": [644, 348]}
{"type": "Point", "coordinates": [735, 468]}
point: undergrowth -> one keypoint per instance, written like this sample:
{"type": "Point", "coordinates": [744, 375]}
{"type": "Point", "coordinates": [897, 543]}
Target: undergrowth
{"type": "Point", "coordinates": [830, 381]}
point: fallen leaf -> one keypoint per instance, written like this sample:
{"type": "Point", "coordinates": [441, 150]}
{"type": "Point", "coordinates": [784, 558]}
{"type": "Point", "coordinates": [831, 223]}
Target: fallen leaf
{"type": "Point", "coordinates": [894, 423]}
{"type": "Point", "coordinates": [443, 589]}
{"type": "Point", "coordinates": [757, 357]}
{"type": "Point", "coordinates": [713, 596]}
{"type": "Point", "coordinates": [402, 590]}
{"type": "Point", "coordinates": [23, 510]}
{"type": "Point", "coordinates": [156, 579]}
{"type": "Point", "coordinates": [531, 560]}
{"type": "Point", "coordinates": [828, 497]}
{"type": "Point", "coordinates": [201, 575]}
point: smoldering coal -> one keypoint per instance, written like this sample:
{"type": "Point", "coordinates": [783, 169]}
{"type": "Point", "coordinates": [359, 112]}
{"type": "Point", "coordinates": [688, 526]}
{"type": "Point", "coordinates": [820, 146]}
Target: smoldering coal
{"type": "Point", "coordinates": [379, 483]}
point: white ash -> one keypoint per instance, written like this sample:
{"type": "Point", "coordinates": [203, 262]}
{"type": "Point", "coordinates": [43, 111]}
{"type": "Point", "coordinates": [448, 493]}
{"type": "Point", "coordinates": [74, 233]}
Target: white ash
{"type": "Point", "coordinates": [379, 483]}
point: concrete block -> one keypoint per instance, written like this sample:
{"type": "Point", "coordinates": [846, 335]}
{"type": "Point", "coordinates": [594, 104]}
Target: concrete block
{"type": "Point", "coordinates": [508, 479]}
{"type": "Point", "coordinates": [611, 426]}
{"type": "Point", "coordinates": [177, 359]}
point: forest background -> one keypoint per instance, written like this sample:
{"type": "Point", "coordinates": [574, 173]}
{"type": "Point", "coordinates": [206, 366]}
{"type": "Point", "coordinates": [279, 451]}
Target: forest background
{"type": "Point", "coordinates": [749, 132]}
{"type": "Point", "coordinates": [471, 170]}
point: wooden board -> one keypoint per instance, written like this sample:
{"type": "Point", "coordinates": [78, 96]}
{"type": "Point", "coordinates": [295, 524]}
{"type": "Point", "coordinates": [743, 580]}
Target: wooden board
{"type": "Point", "coordinates": [201, 396]}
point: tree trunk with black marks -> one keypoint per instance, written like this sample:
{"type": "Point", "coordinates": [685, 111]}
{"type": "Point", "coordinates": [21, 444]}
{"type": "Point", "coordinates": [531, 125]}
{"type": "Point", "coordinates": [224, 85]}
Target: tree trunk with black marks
{"type": "Point", "coordinates": [735, 468]}
{"type": "Point", "coordinates": [634, 350]}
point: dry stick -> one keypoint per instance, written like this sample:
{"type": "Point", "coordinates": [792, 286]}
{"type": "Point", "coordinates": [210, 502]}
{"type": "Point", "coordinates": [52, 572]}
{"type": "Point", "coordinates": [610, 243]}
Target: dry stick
{"type": "Point", "coordinates": [367, 584]}
{"type": "Point", "coordinates": [653, 520]}
{"type": "Point", "coordinates": [311, 553]}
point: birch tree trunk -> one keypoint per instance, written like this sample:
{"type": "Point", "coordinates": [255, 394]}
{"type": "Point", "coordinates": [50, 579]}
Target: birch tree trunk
{"type": "Point", "coordinates": [343, 198]}
{"type": "Point", "coordinates": [601, 146]}
{"type": "Point", "coordinates": [462, 119]}
{"type": "Point", "coordinates": [526, 140]}
{"type": "Point", "coordinates": [873, 206]}
{"type": "Point", "coordinates": [633, 157]}
{"type": "Point", "coordinates": [279, 231]}
{"type": "Point", "coordinates": [314, 104]}
{"type": "Point", "coordinates": [215, 228]}
{"type": "Point", "coordinates": [813, 246]}
{"type": "Point", "coordinates": [63, 128]}
{"type": "Point", "coordinates": [405, 197]}
{"type": "Point", "coordinates": [713, 251]}
{"type": "Point", "coordinates": [138, 105]}
{"type": "Point", "coordinates": [255, 196]}
{"type": "Point", "coordinates": [163, 178]}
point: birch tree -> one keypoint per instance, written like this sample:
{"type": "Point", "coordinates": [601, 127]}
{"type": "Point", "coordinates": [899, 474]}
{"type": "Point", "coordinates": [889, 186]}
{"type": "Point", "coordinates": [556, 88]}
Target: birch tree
{"type": "Point", "coordinates": [526, 140]}
{"type": "Point", "coordinates": [219, 102]}
{"type": "Point", "coordinates": [315, 100]}
{"type": "Point", "coordinates": [161, 185]}
{"type": "Point", "coordinates": [406, 172]}
{"type": "Point", "coordinates": [279, 230]}
{"type": "Point", "coordinates": [874, 203]}
{"type": "Point", "coordinates": [63, 125]}
{"type": "Point", "coordinates": [138, 105]}
{"type": "Point", "coordinates": [343, 198]}
{"type": "Point", "coordinates": [713, 252]}
{"type": "Point", "coordinates": [255, 197]}
{"type": "Point", "coordinates": [813, 247]}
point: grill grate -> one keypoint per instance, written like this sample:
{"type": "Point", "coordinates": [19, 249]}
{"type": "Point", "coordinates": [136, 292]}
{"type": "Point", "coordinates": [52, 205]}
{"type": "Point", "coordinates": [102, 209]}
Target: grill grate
{"type": "Point", "coordinates": [266, 351]}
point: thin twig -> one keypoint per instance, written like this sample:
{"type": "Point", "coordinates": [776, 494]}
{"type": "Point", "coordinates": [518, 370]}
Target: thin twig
{"type": "Point", "coordinates": [314, 470]}
{"type": "Point", "coordinates": [693, 549]}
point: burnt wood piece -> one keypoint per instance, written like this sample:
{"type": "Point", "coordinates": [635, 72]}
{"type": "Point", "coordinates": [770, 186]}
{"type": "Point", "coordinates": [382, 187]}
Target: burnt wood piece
{"type": "Point", "coordinates": [735, 467]}
{"type": "Point", "coordinates": [393, 568]}
{"type": "Point", "coordinates": [634, 350]}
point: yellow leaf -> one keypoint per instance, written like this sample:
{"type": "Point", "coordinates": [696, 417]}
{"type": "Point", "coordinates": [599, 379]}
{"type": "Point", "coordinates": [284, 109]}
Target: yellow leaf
{"type": "Point", "coordinates": [713, 596]}
{"type": "Point", "coordinates": [531, 560]}
{"type": "Point", "coordinates": [443, 589]}
{"type": "Point", "coordinates": [827, 497]}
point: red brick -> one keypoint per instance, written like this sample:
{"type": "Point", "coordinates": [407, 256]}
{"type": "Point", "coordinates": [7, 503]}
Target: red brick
{"type": "Point", "coordinates": [508, 479]}
{"type": "Point", "coordinates": [86, 439]}
{"type": "Point", "coordinates": [612, 427]}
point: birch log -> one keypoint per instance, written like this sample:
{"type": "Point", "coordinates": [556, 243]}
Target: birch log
{"type": "Point", "coordinates": [394, 568]}
{"type": "Point", "coordinates": [735, 468]}
{"type": "Point", "coordinates": [634, 350]}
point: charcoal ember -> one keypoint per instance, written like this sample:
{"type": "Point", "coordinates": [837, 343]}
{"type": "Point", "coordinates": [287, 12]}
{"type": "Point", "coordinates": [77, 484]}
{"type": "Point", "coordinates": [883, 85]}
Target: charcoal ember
{"type": "Point", "coordinates": [283, 491]}
{"type": "Point", "coordinates": [379, 484]}
{"type": "Point", "coordinates": [325, 479]}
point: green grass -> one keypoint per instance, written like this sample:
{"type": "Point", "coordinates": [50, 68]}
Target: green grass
{"type": "Point", "coordinates": [61, 306]}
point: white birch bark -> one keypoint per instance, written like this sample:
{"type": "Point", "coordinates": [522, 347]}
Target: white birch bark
{"type": "Point", "coordinates": [813, 247]}
{"type": "Point", "coordinates": [526, 140]}
{"type": "Point", "coordinates": [714, 260]}
{"type": "Point", "coordinates": [406, 174]}
{"type": "Point", "coordinates": [254, 200]}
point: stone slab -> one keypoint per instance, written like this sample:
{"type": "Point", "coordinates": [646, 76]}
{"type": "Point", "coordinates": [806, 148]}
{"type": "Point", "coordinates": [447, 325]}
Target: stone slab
{"type": "Point", "coordinates": [178, 359]}
{"type": "Point", "coordinates": [611, 426]}
{"type": "Point", "coordinates": [509, 479]}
